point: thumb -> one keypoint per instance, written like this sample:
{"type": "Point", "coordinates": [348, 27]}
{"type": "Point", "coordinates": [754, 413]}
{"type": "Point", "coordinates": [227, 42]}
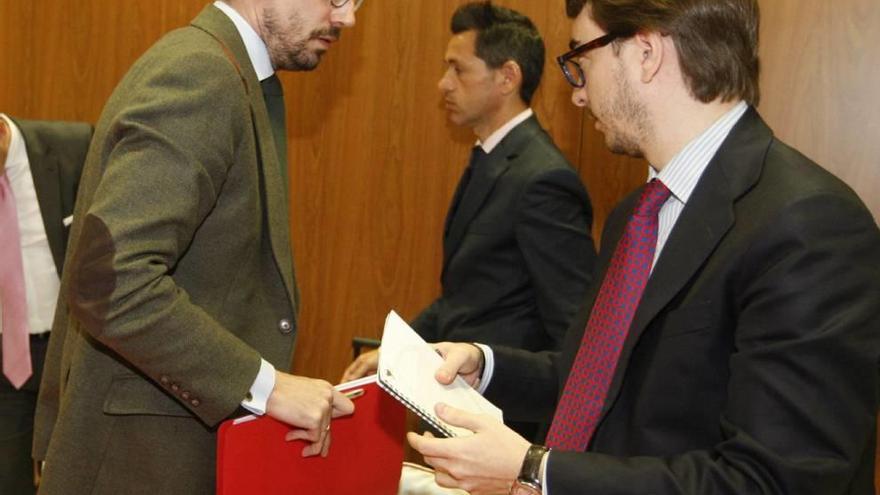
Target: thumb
{"type": "Point", "coordinates": [460, 417]}
{"type": "Point", "coordinates": [453, 362]}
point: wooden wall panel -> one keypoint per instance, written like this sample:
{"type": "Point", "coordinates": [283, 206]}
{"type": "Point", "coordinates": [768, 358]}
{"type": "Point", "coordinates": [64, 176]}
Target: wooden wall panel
{"type": "Point", "coordinates": [61, 60]}
{"type": "Point", "coordinates": [820, 76]}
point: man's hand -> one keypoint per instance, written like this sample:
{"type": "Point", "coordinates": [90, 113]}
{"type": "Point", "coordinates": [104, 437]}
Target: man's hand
{"type": "Point", "coordinates": [308, 405]}
{"type": "Point", "coordinates": [459, 359]}
{"type": "Point", "coordinates": [365, 364]}
{"type": "Point", "coordinates": [486, 463]}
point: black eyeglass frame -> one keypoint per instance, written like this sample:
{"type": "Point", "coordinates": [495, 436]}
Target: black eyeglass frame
{"type": "Point", "coordinates": [579, 80]}
{"type": "Point", "coordinates": [337, 4]}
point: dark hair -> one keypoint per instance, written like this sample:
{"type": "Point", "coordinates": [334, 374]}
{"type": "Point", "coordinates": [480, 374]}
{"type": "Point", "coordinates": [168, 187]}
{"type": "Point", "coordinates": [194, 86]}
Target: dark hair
{"type": "Point", "coordinates": [504, 34]}
{"type": "Point", "coordinates": [717, 40]}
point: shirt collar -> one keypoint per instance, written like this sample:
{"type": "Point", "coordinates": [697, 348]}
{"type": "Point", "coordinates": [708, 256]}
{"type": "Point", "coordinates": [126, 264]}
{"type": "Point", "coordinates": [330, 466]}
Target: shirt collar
{"type": "Point", "coordinates": [255, 46]}
{"type": "Point", "coordinates": [681, 174]}
{"type": "Point", "coordinates": [492, 141]}
{"type": "Point", "coordinates": [16, 159]}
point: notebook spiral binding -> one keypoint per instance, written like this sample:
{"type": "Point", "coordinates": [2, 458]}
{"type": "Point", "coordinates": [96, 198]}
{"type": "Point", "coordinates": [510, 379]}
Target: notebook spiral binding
{"type": "Point", "coordinates": [434, 421]}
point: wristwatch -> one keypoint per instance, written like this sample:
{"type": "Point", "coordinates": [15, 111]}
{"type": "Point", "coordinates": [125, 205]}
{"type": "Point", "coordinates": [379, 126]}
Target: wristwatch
{"type": "Point", "coordinates": [529, 480]}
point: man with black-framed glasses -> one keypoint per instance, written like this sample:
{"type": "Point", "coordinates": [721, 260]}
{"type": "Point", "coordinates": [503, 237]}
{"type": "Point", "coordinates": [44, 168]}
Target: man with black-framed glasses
{"type": "Point", "coordinates": [731, 345]}
{"type": "Point", "coordinates": [179, 301]}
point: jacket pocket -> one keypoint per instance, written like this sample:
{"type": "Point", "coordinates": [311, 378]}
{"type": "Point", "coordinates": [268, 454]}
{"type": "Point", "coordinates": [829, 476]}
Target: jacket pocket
{"type": "Point", "coordinates": [132, 394]}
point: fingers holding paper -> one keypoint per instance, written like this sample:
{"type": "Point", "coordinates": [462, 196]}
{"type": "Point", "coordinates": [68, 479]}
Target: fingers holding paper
{"type": "Point", "coordinates": [459, 359]}
{"type": "Point", "coordinates": [308, 405]}
{"type": "Point", "coordinates": [487, 462]}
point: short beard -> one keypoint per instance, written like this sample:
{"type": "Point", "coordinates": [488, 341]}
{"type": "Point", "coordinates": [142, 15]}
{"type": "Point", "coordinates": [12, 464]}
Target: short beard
{"type": "Point", "coordinates": [627, 108]}
{"type": "Point", "coordinates": [289, 49]}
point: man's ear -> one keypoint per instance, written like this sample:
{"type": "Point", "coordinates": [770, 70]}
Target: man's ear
{"type": "Point", "coordinates": [651, 51]}
{"type": "Point", "coordinates": [509, 76]}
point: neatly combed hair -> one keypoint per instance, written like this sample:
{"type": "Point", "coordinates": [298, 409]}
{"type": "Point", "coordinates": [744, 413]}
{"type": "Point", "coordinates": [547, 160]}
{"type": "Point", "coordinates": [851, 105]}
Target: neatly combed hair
{"type": "Point", "coordinates": [717, 40]}
{"type": "Point", "coordinates": [502, 35]}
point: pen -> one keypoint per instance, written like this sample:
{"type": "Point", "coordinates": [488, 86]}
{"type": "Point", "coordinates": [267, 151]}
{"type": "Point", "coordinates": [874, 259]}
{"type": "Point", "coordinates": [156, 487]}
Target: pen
{"type": "Point", "coordinates": [354, 394]}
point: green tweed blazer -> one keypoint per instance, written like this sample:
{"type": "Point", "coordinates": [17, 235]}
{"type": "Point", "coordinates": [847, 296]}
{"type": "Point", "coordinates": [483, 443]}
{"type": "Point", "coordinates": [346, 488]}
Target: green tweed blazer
{"type": "Point", "coordinates": [179, 275]}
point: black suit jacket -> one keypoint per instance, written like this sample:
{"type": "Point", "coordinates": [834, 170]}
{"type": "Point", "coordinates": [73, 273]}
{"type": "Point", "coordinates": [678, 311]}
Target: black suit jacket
{"type": "Point", "coordinates": [518, 254]}
{"type": "Point", "coordinates": [751, 363]}
{"type": "Point", "coordinates": [56, 153]}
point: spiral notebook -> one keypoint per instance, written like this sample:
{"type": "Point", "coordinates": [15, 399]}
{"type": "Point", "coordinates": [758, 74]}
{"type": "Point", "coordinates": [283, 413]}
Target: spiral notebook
{"type": "Point", "coordinates": [406, 371]}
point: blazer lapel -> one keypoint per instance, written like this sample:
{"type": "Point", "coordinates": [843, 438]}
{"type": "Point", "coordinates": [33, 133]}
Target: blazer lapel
{"type": "Point", "coordinates": [482, 182]}
{"type": "Point", "coordinates": [215, 23]}
{"type": "Point", "coordinates": [45, 169]}
{"type": "Point", "coordinates": [707, 217]}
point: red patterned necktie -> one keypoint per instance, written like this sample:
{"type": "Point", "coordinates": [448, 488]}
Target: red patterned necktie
{"type": "Point", "coordinates": [587, 385]}
{"type": "Point", "coordinates": [13, 302]}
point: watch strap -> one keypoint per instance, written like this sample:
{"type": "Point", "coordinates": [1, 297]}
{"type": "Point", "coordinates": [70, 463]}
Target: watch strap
{"type": "Point", "coordinates": [530, 472]}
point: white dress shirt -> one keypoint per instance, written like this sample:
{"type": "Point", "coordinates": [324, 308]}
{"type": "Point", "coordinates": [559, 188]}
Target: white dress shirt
{"type": "Point", "coordinates": [258, 54]}
{"type": "Point", "coordinates": [492, 141]}
{"type": "Point", "coordinates": [681, 174]}
{"type": "Point", "coordinates": [40, 275]}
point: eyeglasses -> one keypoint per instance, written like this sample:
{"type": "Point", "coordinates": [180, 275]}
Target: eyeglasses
{"type": "Point", "coordinates": [574, 74]}
{"type": "Point", "coordinates": [341, 3]}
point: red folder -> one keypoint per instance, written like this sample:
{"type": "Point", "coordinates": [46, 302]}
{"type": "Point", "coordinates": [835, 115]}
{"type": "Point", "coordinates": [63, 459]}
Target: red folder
{"type": "Point", "coordinates": [366, 453]}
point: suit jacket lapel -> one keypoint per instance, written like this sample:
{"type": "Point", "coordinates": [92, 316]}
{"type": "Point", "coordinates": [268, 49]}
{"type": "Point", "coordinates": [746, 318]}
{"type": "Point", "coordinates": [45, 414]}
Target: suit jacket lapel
{"type": "Point", "coordinates": [703, 223]}
{"type": "Point", "coordinates": [482, 182]}
{"type": "Point", "coordinates": [215, 23]}
{"type": "Point", "coordinates": [45, 169]}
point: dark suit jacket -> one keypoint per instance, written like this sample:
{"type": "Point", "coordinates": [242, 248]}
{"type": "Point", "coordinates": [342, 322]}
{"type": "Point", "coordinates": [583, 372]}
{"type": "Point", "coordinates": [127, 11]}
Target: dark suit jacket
{"type": "Point", "coordinates": [179, 275]}
{"type": "Point", "coordinates": [56, 152]}
{"type": "Point", "coordinates": [751, 363]}
{"type": "Point", "coordinates": [518, 254]}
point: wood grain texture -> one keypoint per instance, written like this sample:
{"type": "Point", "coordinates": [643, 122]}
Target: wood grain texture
{"type": "Point", "coordinates": [820, 74]}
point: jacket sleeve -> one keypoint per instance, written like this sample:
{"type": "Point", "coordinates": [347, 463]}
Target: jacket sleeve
{"type": "Point", "coordinates": [554, 218]}
{"type": "Point", "coordinates": [425, 324]}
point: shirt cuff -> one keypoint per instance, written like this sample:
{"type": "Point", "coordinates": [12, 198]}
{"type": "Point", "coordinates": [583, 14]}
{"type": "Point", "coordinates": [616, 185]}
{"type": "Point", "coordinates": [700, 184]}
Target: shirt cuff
{"type": "Point", "coordinates": [260, 391]}
{"type": "Point", "coordinates": [488, 367]}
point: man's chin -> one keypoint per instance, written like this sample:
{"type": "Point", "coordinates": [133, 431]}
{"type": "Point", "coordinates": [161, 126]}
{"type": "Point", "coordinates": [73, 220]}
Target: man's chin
{"type": "Point", "coordinates": [303, 63]}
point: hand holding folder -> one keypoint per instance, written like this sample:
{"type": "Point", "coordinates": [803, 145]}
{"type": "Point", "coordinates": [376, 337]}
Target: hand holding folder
{"type": "Point", "coordinates": [366, 454]}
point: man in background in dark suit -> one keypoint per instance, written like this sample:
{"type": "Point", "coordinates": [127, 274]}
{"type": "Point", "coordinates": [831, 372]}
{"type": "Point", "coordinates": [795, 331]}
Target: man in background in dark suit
{"type": "Point", "coordinates": [517, 251]}
{"type": "Point", "coordinates": [732, 345]}
{"type": "Point", "coordinates": [179, 301]}
{"type": "Point", "coordinates": [40, 163]}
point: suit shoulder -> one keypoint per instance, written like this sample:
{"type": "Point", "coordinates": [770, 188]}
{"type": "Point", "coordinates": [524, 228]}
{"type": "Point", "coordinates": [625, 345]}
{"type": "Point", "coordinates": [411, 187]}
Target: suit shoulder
{"type": "Point", "coordinates": [790, 176]}
{"type": "Point", "coordinates": [184, 58]}
{"type": "Point", "coordinates": [540, 157]}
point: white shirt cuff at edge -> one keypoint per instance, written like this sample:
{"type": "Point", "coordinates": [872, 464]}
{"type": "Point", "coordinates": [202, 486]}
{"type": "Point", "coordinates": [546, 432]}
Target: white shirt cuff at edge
{"type": "Point", "coordinates": [488, 367]}
{"type": "Point", "coordinates": [261, 389]}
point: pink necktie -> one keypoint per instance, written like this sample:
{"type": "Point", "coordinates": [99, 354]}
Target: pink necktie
{"type": "Point", "coordinates": [13, 302]}
{"type": "Point", "coordinates": [586, 388]}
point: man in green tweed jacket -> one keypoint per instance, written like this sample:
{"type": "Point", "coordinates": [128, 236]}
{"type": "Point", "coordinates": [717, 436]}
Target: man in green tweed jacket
{"type": "Point", "coordinates": [178, 303]}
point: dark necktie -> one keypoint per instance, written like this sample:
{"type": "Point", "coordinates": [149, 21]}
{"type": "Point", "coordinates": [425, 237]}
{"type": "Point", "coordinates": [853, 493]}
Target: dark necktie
{"type": "Point", "coordinates": [13, 301]}
{"type": "Point", "coordinates": [477, 156]}
{"type": "Point", "coordinates": [273, 95]}
{"type": "Point", "coordinates": [586, 388]}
